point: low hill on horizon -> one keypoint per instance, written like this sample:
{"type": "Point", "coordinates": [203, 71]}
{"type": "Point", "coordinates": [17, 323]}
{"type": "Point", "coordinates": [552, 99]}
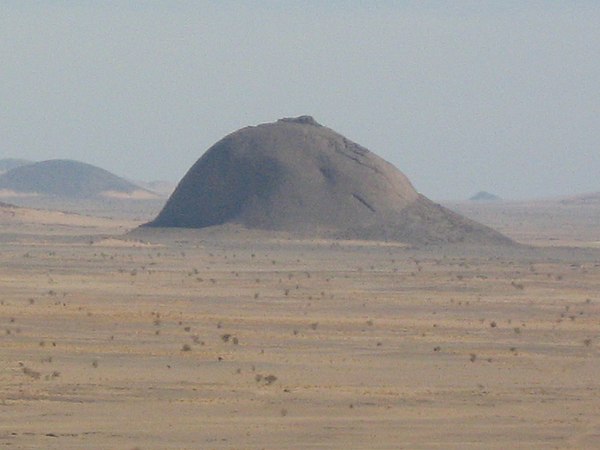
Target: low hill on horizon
{"type": "Point", "coordinates": [69, 179]}
{"type": "Point", "coordinates": [483, 196]}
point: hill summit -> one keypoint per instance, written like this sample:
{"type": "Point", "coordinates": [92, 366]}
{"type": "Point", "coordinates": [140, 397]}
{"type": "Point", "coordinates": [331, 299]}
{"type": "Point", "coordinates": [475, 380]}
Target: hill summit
{"type": "Point", "coordinates": [298, 176]}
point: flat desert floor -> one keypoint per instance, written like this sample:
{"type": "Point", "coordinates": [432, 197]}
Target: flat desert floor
{"type": "Point", "coordinates": [211, 340]}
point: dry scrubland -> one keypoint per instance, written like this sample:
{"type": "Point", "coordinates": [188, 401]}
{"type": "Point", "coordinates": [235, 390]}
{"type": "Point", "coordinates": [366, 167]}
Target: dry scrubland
{"type": "Point", "coordinates": [195, 340]}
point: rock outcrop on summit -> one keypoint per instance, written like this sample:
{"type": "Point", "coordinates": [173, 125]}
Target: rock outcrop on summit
{"type": "Point", "coordinates": [297, 176]}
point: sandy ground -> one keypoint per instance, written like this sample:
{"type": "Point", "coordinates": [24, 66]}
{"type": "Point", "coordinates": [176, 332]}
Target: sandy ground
{"type": "Point", "coordinates": [548, 223]}
{"type": "Point", "coordinates": [200, 340]}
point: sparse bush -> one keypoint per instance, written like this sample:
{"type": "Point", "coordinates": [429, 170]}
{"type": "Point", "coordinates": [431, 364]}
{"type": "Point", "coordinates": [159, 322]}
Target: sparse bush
{"type": "Point", "coordinates": [31, 373]}
{"type": "Point", "coordinates": [270, 379]}
{"type": "Point", "coordinates": [516, 285]}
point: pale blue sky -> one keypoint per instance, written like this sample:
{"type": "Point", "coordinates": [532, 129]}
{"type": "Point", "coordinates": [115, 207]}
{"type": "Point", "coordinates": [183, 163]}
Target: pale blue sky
{"type": "Point", "coordinates": [461, 96]}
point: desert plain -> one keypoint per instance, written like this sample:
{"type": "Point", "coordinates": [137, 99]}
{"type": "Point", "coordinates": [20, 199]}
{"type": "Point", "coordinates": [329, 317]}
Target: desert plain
{"type": "Point", "coordinates": [112, 337]}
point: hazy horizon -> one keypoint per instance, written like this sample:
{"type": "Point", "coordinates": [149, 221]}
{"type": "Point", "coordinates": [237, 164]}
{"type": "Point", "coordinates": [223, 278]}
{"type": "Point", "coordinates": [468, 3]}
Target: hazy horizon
{"type": "Point", "coordinates": [462, 97]}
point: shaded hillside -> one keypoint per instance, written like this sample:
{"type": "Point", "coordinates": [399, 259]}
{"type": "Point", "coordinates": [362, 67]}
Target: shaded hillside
{"type": "Point", "coordinates": [65, 178]}
{"type": "Point", "coordinates": [298, 176]}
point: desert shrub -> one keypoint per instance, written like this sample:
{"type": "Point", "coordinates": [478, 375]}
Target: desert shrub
{"type": "Point", "coordinates": [270, 379]}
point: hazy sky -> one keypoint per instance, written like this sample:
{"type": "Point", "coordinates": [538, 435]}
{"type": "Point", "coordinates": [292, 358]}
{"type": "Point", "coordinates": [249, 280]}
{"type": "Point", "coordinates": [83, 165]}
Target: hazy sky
{"type": "Point", "coordinates": [461, 96]}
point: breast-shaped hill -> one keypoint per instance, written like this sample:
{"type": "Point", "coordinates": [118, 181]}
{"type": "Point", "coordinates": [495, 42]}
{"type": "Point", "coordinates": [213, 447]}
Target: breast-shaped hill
{"type": "Point", "coordinates": [295, 175]}
{"type": "Point", "coordinates": [66, 178]}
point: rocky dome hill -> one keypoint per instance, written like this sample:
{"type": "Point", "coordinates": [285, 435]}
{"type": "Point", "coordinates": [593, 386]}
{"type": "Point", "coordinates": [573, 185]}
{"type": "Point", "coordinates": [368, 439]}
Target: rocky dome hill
{"type": "Point", "coordinates": [297, 176]}
{"type": "Point", "coordinates": [66, 178]}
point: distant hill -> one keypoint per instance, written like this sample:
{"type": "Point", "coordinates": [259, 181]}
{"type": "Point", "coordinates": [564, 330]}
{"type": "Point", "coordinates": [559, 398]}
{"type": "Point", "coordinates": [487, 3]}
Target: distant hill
{"type": "Point", "coordinates": [67, 178]}
{"type": "Point", "coordinates": [7, 164]}
{"type": "Point", "coordinates": [483, 196]}
{"type": "Point", "coordinates": [298, 176]}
